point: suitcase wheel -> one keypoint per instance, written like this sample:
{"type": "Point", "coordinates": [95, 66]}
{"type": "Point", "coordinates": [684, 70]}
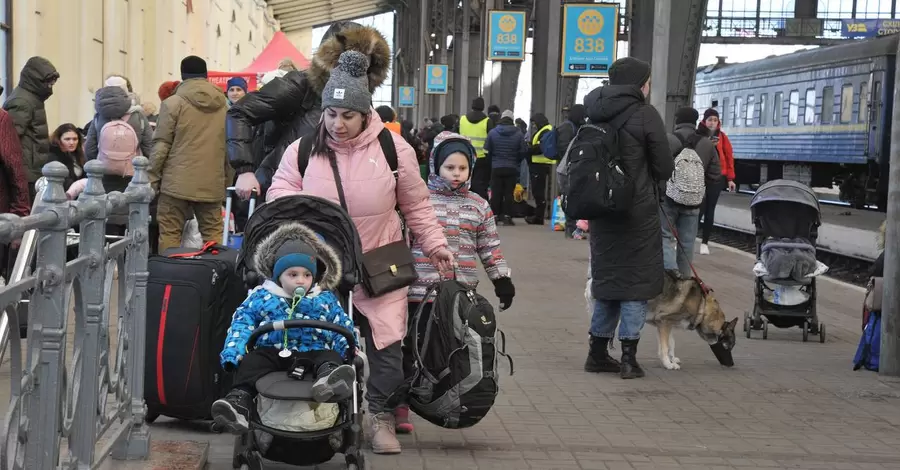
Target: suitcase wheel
{"type": "Point", "coordinates": [216, 428]}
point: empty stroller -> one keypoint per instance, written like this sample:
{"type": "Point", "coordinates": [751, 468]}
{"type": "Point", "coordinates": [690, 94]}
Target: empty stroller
{"type": "Point", "coordinates": [285, 426]}
{"type": "Point", "coordinates": [787, 218]}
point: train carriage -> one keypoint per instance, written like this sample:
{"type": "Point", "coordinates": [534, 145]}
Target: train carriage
{"type": "Point", "coordinates": [817, 116]}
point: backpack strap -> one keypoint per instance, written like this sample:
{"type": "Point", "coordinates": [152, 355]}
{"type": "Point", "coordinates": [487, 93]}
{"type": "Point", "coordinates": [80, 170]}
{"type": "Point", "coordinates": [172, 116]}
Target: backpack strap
{"type": "Point", "coordinates": [303, 153]}
{"type": "Point", "coordinates": [688, 142]}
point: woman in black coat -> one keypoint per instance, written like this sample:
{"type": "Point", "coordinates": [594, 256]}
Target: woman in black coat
{"type": "Point", "coordinates": [626, 252]}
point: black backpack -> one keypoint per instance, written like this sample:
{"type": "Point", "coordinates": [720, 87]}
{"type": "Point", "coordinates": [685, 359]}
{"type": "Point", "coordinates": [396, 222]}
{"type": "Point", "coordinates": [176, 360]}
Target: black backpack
{"type": "Point", "coordinates": [455, 348]}
{"type": "Point", "coordinates": [598, 184]}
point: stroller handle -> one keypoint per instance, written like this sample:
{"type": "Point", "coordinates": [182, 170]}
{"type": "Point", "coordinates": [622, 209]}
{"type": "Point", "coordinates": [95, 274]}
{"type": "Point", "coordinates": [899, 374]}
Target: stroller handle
{"type": "Point", "coordinates": [298, 324]}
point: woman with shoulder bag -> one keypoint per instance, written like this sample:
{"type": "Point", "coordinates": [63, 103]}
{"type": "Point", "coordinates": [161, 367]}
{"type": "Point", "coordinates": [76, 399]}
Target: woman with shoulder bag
{"type": "Point", "coordinates": [348, 165]}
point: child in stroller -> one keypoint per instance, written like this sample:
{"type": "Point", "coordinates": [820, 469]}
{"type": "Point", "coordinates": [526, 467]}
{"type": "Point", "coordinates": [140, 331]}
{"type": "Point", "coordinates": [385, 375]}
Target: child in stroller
{"type": "Point", "coordinates": [787, 217]}
{"type": "Point", "coordinates": [288, 423]}
{"type": "Point", "coordinates": [290, 255]}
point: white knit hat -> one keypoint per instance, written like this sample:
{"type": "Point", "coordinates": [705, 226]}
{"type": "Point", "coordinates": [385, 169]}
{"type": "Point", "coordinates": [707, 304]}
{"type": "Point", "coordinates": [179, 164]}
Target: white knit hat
{"type": "Point", "coordinates": [118, 81]}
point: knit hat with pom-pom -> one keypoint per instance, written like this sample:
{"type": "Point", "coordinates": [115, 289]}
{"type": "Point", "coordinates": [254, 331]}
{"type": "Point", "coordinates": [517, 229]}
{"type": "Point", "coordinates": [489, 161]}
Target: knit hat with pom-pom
{"type": "Point", "coordinates": [348, 86]}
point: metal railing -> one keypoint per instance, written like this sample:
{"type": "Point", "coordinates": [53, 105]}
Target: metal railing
{"type": "Point", "coordinates": [60, 411]}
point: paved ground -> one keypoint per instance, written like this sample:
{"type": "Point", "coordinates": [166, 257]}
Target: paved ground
{"type": "Point", "coordinates": [786, 404]}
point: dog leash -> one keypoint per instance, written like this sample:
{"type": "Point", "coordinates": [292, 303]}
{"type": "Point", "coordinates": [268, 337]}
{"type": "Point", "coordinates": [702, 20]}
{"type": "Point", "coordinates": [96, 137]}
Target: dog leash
{"type": "Point", "coordinates": [703, 286]}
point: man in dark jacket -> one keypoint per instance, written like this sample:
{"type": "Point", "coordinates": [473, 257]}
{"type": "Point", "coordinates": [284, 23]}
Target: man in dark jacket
{"type": "Point", "coordinates": [678, 254]}
{"type": "Point", "coordinates": [494, 114]}
{"type": "Point", "coordinates": [626, 252]}
{"type": "Point", "coordinates": [293, 104]}
{"type": "Point", "coordinates": [505, 148]}
{"type": "Point", "coordinates": [26, 107]}
{"type": "Point", "coordinates": [575, 117]}
{"type": "Point", "coordinates": [539, 168]}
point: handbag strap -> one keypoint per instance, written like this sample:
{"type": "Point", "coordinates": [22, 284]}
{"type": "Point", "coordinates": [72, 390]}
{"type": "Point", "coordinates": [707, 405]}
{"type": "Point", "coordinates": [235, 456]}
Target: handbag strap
{"type": "Point", "coordinates": [390, 154]}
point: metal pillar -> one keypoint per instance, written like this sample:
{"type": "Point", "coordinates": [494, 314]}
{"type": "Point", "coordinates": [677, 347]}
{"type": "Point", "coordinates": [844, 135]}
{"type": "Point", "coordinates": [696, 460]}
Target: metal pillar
{"type": "Point", "coordinates": [890, 321]}
{"type": "Point", "coordinates": [545, 75]}
{"type": "Point", "coordinates": [441, 39]}
{"type": "Point", "coordinates": [659, 65]}
{"type": "Point", "coordinates": [423, 108]}
{"type": "Point", "coordinates": [461, 48]}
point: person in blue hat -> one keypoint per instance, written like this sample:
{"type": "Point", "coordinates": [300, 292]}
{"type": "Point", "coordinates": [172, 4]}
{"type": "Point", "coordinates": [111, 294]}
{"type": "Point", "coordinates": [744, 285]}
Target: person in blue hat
{"type": "Point", "coordinates": [301, 272]}
{"type": "Point", "coordinates": [235, 89]}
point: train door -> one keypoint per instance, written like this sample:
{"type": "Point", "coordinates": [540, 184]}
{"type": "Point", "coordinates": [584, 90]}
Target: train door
{"type": "Point", "coordinates": [879, 126]}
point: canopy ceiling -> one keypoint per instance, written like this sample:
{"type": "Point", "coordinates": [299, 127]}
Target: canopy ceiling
{"type": "Point", "coordinates": [294, 15]}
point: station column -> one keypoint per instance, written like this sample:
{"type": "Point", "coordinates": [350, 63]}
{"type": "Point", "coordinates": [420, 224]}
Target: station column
{"type": "Point", "coordinates": [546, 59]}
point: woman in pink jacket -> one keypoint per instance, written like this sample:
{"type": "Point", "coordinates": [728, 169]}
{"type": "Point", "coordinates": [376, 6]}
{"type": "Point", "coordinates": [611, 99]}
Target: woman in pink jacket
{"type": "Point", "coordinates": [348, 135]}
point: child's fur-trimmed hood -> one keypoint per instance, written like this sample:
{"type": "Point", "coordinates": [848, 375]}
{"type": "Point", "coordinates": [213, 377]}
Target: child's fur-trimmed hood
{"type": "Point", "coordinates": [330, 269]}
{"type": "Point", "coordinates": [351, 36]}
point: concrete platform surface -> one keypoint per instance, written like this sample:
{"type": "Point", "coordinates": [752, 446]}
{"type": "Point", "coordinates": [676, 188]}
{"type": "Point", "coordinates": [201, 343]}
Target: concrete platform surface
{"type": "Point", "coordinates": [785, 404]}
{"type": "Point", "coordinates": [844, 230]}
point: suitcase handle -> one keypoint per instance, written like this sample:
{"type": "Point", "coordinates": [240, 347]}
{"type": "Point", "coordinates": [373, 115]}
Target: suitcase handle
{"type": "Point", "coordinates": [298, 324]}
{"type": "Point", "coordinates": [226, 221]}
{"type": "Point", "coordinates": [208, 247]}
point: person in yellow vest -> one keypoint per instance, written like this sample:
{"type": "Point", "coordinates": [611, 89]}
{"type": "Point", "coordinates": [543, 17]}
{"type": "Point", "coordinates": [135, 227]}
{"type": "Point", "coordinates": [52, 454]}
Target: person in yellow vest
{"type": "Point", "coordinates": [475, 125]}
{"type": "Point", "coordinates": [389, 118]}
{"type": "Point", "coordinates": [539, 169]}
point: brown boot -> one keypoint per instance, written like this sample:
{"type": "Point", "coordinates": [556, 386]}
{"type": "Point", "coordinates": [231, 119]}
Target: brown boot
{"type": "Point", "coordinates": [384, 434]}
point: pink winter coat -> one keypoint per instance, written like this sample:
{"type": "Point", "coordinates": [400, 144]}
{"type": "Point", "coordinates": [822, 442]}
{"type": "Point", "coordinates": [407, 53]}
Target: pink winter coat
{"type": "Point", "coordinates": [371, 196]}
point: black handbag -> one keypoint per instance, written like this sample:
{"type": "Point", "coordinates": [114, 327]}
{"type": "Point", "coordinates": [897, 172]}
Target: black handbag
{"type": "Point", "coordinates": [392, 266]}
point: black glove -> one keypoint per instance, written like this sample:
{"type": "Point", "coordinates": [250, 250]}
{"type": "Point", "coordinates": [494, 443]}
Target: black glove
{"type": "Point", "coordinates": [505, 291]}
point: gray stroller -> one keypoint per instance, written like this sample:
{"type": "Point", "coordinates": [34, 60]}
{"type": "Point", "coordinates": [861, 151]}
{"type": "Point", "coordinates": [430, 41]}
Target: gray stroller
{"type": "Point", "coordinates": [787, 217]}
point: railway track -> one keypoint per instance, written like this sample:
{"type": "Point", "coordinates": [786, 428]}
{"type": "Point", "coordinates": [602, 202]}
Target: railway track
{"type": "Point", "coordinates": [842, 267]}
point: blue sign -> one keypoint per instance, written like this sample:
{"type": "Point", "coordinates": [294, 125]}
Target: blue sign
{"type": "Point", "coordinates": [407, 97]}
{"type": "Point", "coordinates": [507, 35]}
{"type": "Point", "coordinates": [436, 80]}
{"type": "Point", "coordinates": [590, 32]}
{"type": "Point", "coordinates": [869, 28]}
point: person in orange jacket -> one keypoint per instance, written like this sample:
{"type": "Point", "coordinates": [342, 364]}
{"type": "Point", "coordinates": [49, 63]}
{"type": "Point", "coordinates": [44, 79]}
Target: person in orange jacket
{"type": "Point", "coordinates": [711, 126]}
{"type": "Point", "coordinates": [389, 118]}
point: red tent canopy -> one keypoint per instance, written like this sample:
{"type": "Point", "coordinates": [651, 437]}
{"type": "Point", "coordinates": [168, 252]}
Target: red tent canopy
{"type": "Point", "coordinates": [277, 49]}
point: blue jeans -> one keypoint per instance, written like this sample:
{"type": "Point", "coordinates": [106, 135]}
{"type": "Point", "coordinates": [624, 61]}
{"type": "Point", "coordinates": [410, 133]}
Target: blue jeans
{"type": "Point", "coordinates": [686, 221]}
{"type": "Point", "coordinates": [608, 312]}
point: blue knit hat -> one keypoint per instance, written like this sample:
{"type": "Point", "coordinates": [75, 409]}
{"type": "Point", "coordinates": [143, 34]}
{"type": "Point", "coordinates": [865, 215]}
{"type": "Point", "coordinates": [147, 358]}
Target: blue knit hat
{"type": "Point", "coordinates": [294, 254]}
{"type": "Point", "coordinates": [238, 82]}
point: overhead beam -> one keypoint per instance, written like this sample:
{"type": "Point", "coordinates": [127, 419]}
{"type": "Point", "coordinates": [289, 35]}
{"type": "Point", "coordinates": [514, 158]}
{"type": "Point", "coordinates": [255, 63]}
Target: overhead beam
{"type": "Point", "coordinates": [321, 20]}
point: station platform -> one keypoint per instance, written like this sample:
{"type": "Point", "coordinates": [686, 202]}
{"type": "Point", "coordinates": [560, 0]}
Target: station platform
{"type": "Point", "coordinates": [844, 230]}
{"type": "Point", "coordinates": [785, 404]}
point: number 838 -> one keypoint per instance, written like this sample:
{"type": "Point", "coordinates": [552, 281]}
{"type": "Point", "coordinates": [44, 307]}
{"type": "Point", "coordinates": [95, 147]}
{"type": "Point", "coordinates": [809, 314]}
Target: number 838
{"type": "Point", "coordinates": [590, 45]}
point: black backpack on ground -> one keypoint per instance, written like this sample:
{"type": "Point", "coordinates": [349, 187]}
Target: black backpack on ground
{"type": "Point", "coordinates": [455, 348]}
{"type": "Point", "coordinates": [597, 183]}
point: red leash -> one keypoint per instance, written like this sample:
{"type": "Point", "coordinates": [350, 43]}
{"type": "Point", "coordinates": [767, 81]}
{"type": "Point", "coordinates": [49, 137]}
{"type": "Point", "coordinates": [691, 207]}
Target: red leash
{"type": "Point", "coordinates": [703, 286]}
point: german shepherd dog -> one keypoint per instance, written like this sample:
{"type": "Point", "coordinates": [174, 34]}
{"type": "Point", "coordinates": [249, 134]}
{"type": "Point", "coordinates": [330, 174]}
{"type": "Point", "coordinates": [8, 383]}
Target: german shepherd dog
{"type": "Point", "coordinates": [683, 303]}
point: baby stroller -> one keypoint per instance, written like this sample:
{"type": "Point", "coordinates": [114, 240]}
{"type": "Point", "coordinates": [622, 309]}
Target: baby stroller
{"type": "Point", "coordinates": [787, 218]}
{"type": "Point", "coordinates": [286, 425]}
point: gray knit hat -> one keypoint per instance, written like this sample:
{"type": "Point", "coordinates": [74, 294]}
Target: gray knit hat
{"type": "Point", "coordinates": [348, 86]}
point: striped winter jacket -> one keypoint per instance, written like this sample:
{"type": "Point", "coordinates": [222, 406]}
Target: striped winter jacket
{"type": "Point", "coordinates": [469, 227]}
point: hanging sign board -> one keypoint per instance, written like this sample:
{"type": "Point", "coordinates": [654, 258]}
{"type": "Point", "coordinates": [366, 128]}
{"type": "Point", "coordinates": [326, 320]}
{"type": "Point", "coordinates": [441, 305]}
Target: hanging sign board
{"type": "Point", "coordinates": [590, 32]}
{"type": "Point", "coordinates": [507, 35]}
{"type": "Point", "coordinates": [436, 80]}
{"type": "Point", "coordinates": [407, 97]}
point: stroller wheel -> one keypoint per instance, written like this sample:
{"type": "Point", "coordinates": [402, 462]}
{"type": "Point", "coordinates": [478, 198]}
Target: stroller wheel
{"type": "Point", "coordinates": [359, 464]}
{"type": "Point", "coordinates": [747, 322]}
{"type": "Point", "coordinates": [821, 332]}
{"type": "Point", "coordinates": [765, 328]}
{"type": "Point", "coordinates": [805, 331]}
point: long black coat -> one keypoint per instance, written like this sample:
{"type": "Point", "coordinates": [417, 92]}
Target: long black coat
{"type": "Point", "coordinates": [626, 253]}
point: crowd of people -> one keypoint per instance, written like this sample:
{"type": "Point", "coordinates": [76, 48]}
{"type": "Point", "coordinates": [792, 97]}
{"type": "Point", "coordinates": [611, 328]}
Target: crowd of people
{"type": "Point", "coordinates": [315, 132]}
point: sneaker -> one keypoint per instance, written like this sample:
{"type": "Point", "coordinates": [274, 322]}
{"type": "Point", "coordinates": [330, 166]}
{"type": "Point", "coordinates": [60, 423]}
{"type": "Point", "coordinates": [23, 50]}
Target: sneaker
{"type": "Point", "coordinates": [334, 383]}
{"type": "Point", "coordinates": [401, 415]}
{"type": "Point", "coordinates": [233, 411]}
{"type": "Point", "coordinates": [384, 434]}
{"type": "Point", "coordinates": [704, 249]}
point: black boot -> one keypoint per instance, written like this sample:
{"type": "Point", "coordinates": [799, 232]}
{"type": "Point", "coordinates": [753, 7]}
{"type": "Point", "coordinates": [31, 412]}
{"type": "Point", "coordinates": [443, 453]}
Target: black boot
{"type": "Point", "coordinates": [233, 411]}
{"type": "Point", "coordinates": [630, 367]}
{"type": "Point", "coordinates": [334, 382]}
{"type": "Point", "coordinates": [598, 359]}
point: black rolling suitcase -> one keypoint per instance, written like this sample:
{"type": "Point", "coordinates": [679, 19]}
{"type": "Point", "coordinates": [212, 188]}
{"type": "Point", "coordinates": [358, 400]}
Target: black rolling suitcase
{"type": "Point", "coordinates": [191, 298]}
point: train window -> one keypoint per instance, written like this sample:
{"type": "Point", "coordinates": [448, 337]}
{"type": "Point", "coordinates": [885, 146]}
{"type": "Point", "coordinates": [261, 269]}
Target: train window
{"type": "Point", "coordinates": [763, 116]}
{"type": "Point", "coordinates": [863, 104]}
{"type": "Point", "coordinates": [809, 105]}
{"type": "Point", "coordinates": [751, 109]}
{"type": "Point", "coordinates": [794, 107]}
{"type": "Point", "coordinates": [827, 104]}
{"type": "Point", "coordinates": [846, 103]}
{"type": "Point", "coordinates": [715, 104]}
{"type": "Point", "coordinates": [777, 108]}
{"type": "Point", "coordinates": [738, 106]}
